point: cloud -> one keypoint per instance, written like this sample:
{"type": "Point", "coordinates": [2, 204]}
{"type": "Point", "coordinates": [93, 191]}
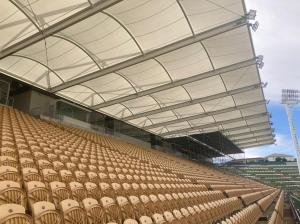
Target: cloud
{"type": "Point", "coordinates": [283, 145]}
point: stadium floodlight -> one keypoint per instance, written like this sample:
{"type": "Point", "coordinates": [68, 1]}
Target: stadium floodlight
{"type": "Point", "coordinates": [264, 84]}
{"type": "Point", "coordinates": [290, 98]}
{"type": "Point", "coordinates": [261, 65]}
{"type": "Point", "coordinates": [259, 61]}
{"type": "Point", "coordinates": [251, 14]}
{"type": "Point", "coordinates": [254, 26]}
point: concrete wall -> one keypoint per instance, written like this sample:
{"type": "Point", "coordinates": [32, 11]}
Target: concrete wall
{"type": "Point", "coordinates": [35, 103]}
{"type": "Point", "coordinates": [22, 101]}
{"type": "Point", "coordinates": [41, 104]}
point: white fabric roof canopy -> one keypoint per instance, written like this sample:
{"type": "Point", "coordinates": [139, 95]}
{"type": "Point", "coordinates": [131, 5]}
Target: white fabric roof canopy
{"type": "Point", "coordinates": [170, 67]}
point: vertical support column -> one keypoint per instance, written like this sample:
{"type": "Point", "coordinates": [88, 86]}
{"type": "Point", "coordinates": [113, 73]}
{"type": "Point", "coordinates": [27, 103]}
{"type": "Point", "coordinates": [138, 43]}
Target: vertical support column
{"type": "Point", "coordinates": [4, 91]}
{"type": "Point", "coordinates": [153, 141]}
{"type": "Point", "coordinates": [7, 95]}
{"type": "Point", "coordinates": [109, 125]}
{"type": "Point", "coordinates": [293, 130]}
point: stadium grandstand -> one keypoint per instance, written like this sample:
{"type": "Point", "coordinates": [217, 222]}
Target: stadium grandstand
{"type": "Point", "coordinates": [280, 174]}
{"type": "Point", "coordinates": [113, 111]}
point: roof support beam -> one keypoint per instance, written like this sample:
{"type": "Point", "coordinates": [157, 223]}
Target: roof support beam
{"type": "Point", "coordinates": [192, 102]}
{"type": "Point", "coordinates": [271, 141]}
{"type": "Point", "coordinates": [63, 24]}
{"type": "Point", "coordinates": [253, 137]}
{"type": "Point", "coordinates": [215, 124]}
{"type": "Point", "coordinates": [155, 53]}
{"type": "Point", "coordinates": [270, 138]}
{"type": "Point", "coordinates": [247, 133]}
{"type": "Point", "coordinates": [177, 83]}
{"type": "Point", "coordinates": [256, 145]}
{"type": "Point", "coordinates": [257, 125]}
{"type": "Point", "coordinates": [216, 112]}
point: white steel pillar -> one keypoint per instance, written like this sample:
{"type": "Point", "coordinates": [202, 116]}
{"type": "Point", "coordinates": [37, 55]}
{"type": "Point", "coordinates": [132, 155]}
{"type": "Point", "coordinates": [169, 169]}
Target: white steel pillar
{"type": "Point", "coordinates": [288, 108]}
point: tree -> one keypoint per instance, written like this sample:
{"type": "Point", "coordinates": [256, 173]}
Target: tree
{"type": "Point", "coordinates": [279, 159]}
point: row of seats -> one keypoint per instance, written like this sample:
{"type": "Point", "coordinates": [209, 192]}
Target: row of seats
{"type": "Point", "coordinates": [52, 173]}
{"type": "Point", "coordinates": [240, 192]}
{"type": "Point", "coordinates": [248, 215]}
{"type": "Point", "coordinates": [265, 202]}
{"type": "Point", "coordinates": [277, 215]}
{"type": "Point", "coordinates": [251, 214]}
{"type": "Point", "coordinates": [252, 197]}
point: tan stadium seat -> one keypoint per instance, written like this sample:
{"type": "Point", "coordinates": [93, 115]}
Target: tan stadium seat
{"type": "Point", "coordinates": [177, 214]}
{"type": "Point", "coordinates": [106, 190]}
{"type": "Point", "coordinates": [66, 176]}
{"type": "Point", "coordinates": [117, 188]}
{"type": "Point", "coordinates": [8, 161]}
{"type": "Point", "coordinates": [149, 209]}
{"type": "Point", "coordinates": [31, 174]}
{"type": "Point", "coordinates": [93, 177]}
{"type": "Point", "coordinates": [113, 178]}
{"type": "Point", "coordinates": [125, 207]}
{"type": "Point", "coordinates": [44, 164]}
{"type": "Point", "coordinates": [49, 175]}
{"type": "Point", "coordinates": [130, 221]}
{"type": "Point", "coordinates": [136, 188]}
{"type": "Point", "coordinates": [14, 214]}
{"type": "Point", "coordinates": [52, 157]}
{"type": "Point", "coordinates": [187, 216]}
{"type": "Point", "coordinates": [25, 154]}
{"type": "Point", "coordinates": [8, 151]}
{"type": "Point", "coordinates": [37, 191]}
{"type": "Point", "coordinates": [158, 218]}
{"type": "Point", "coordinates": [64, 158]}
{"type": "Point", "coordinates": [27, 162]}
{"type": "Point", "coordinates": [93, 167]}
{"type": "Point", "coordinates": [11, 192]}
{"type": "Point", "coordinates": [127, 190]}
{"type": "Point", "coordinates": [82, 166]}
{"type": "Point", "coordinates": [80, 176]}
{"type": "Point", "coordinates": [39, 156]}
{"type": "Point", "coordinates": [44, 212]}
{"type": "Point", "coordinates": [9, 173]}
{"type": "Point", "coordinates": [137, 205]}
{"type": "Point", "coordinates": [59, 192]}
{"type": "Point", "coordinates": [103, 177]}
{"type": "Point", "coordinates": [94, 210]}
{"type": "Point", "coordinates": [92, 190]}
{"type": "Point", "coordinates": [169, 217]}
{"type": "Point", "coordinates": [145, 220]}
{"type": "Point", "coordinates": [6, 143]}
{"type": "Point", "coordinates": [154, 204]}
{"type": "Point", "coordinates": [57, 165]}
{"type": "Point", "coordinates": [112, 210]}
{"type": "Point", "coordinates": [72, 212]}
{"type": "Point", "coordinates": [71, 166]}
{"type": "Point", "coordinates": [78, 191]}
{"type": "Point", "coordinates": [163, 203]}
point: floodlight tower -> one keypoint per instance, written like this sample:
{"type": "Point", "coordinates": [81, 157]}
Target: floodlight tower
{"type": "Point", "coordinates": [290, 98]}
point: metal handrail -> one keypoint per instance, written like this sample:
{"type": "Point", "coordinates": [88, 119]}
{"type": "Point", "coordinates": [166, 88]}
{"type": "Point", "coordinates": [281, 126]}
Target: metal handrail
{"type": "Point", "coordinates": [294, 209]}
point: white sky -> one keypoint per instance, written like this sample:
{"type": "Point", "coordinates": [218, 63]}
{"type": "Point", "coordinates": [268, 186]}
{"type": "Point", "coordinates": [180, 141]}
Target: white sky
{"type": "Point", "coordinates": [278, 40]}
